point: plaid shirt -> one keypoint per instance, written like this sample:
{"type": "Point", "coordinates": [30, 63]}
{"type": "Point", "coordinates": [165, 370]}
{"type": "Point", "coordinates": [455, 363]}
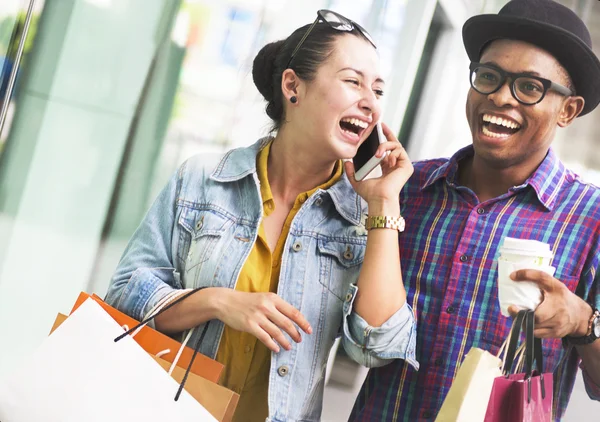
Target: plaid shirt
{"type": "Point", "coordinates": [448, 255]}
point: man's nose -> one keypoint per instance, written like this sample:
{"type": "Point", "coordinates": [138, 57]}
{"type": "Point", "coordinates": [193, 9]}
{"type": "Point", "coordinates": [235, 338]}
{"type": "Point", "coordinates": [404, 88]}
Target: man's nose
{"type": "Point", "coordinates": [504, 97]}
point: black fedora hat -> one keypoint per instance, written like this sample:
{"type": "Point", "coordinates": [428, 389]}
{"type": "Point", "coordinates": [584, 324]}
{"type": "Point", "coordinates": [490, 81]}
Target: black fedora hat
{"type": "Point", "coordinates": [548, 25]}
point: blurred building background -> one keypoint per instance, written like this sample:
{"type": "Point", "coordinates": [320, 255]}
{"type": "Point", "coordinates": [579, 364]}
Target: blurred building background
{"type": "Point", "coordinates": [101, 100]}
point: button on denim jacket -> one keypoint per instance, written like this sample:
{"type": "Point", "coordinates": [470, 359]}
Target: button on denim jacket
{"type": "Point", "coordinates": [199, 232]}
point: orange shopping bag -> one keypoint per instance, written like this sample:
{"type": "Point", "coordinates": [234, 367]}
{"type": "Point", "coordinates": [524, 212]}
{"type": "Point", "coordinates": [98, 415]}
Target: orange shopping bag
{"type": "Point", "coordinates": [155, 342]}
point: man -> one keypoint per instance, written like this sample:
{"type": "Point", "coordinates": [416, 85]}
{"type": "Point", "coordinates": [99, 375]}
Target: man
{"type": "Point", "coordinates": [533, 70]}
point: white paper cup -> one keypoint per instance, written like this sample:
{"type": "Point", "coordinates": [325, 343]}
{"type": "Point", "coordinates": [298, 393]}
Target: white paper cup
{"type": "Point", "coordinates": [521, 254]}
{"type": "Point", "coordinates": [524, 294]}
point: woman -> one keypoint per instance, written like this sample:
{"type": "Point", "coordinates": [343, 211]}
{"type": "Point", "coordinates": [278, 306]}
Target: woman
{"type": "Point", "coordinates": [275, 233]}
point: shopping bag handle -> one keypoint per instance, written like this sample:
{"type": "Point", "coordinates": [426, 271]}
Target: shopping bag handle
{"type": "Point", "coordinates": [513, 342]}
{"type": "Point", "coordinates": [196, 346]}
{"type": "Point", "coordinates": [533, 355]}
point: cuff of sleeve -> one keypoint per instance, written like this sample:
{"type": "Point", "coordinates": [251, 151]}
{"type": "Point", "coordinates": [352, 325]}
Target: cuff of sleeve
{"type": "Point", "coordinates": [394, 339]}
{"type": "Point", "coordinates": [143, 293]}
{"type": "Point", "coordinates": [592, 389]}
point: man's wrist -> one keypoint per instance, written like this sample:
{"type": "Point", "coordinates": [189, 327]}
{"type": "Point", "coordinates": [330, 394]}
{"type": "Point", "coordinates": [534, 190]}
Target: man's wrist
{"type": "Point", "coordinates": [585, 314]}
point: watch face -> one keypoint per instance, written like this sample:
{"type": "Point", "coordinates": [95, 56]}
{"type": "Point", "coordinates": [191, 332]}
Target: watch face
{"type": "Point", "coordinates": [596, 328]}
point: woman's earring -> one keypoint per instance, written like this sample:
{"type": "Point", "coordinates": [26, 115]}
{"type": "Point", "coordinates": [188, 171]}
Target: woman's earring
{"type": "Point", "coordinates": [293, 99]}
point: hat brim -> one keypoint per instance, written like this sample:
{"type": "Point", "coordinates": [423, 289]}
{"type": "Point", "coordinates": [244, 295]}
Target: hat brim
{"type": "Point", "coordinates": [571, 52]}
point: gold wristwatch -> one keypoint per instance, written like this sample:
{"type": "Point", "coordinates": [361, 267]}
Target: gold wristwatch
{"type": "Point", "coordinates": [385, 222]}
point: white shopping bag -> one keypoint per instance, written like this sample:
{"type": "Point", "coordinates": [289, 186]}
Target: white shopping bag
{"type": "Point", "coordinates": [80, 373]}
{"type": "Point", "coordinates": [469, 394]}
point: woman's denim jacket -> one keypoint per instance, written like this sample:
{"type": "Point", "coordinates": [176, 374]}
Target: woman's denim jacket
{"type": "Point", "coordinates": [199, 232]}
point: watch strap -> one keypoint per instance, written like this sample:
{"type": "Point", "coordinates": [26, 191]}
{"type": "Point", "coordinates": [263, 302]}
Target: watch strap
{"type": "Point", "coordinates": [385, 222]}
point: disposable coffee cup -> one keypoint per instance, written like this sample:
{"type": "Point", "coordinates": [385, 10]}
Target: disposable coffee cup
{"type": "Point", "coordinates": [521, 254]}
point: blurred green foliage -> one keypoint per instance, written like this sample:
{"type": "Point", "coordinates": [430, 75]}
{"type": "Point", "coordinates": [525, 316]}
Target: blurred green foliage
{"type": "Point", "coordinates": [10, 34]}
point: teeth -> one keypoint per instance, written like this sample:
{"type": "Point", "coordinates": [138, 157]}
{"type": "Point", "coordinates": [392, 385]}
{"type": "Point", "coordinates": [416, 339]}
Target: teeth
{"type": "Point", "coordinates": [500, 121]}
{"type": "Point", "coordinates": [491, 134]}
{"type": "Point", "coordinates": [356, 122]}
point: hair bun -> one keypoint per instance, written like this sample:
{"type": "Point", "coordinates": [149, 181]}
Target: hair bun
{"type": "Point", "coordinates": [264, 67]}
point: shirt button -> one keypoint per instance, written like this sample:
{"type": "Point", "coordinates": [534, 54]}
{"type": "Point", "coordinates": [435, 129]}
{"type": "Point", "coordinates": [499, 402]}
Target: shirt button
{"type": "Point", "coordinates": [302, 199]}
{"type": "Point", "coordinates": [247, 349]}
{"type": "Point", "coordinates": [480, 211]}
{"type": "Point", "coordinates": [464, 258]}
{"type": "Point", "coordinates": [348, 297]}
{"type": "Point", "coordinates": [438, 362]}
{"type": "Point", "coordinates": [283, 370]}
{"type": "Point", "coordinates": [297, 246]}
{"type": "Point", "coordinates": [428, 414]}
{"type": "Point", "coordinates": [319, 201]}
{"type": "Point", "coordinates": [199, 223]}
{"type": "Point", "coordinates": [450, 309]}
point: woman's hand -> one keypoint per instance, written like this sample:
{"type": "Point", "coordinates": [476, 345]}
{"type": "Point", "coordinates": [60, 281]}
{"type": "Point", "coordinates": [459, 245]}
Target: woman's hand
{"type": "Point", "coordinates": [396, 170]}
{"type": "Point", "coordinates": [263, 315]}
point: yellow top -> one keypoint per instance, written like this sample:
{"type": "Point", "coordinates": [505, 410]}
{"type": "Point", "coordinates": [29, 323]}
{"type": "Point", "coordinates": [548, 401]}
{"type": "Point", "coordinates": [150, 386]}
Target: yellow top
{"type": "Point", "coordinates": [248, 361]}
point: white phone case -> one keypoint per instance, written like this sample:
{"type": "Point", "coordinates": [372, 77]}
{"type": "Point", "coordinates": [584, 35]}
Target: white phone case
{"type": "Point", "coordinates": [374, 161]}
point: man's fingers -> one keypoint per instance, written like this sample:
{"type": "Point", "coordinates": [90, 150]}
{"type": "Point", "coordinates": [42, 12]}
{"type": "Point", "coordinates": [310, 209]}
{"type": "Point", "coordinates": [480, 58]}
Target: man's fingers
{"type": "Point", "coordinates": [545, 281]}
{"type": "Point", "coordinates": [513, 310]}
{"type": "Point", "coordinates": [549, 333]}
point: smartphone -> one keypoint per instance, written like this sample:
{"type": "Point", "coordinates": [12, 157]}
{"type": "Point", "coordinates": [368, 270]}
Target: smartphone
{"type": "Point", "coordinates": [365, 160]}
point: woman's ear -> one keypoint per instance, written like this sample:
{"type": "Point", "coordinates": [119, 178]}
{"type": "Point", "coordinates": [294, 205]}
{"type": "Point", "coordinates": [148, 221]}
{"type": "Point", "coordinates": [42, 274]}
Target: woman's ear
{"type": "Point", "coordinates": [572, 108]}
{"type": "Point", "coordinates": [290, 83]}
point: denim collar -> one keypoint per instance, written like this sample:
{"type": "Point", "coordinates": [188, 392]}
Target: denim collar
{"type": "Point", "coordinates": [241, 162]}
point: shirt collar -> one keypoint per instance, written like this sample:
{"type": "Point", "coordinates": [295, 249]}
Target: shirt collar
{"type": "Point", "coordinates": [547, 180]}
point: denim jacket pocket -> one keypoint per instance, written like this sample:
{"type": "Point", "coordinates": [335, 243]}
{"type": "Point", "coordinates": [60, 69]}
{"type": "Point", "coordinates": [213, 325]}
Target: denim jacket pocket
{"type": "Point", "coordinates": [201, 230]}
{"type": "Point", "coordinates": [339, 265]}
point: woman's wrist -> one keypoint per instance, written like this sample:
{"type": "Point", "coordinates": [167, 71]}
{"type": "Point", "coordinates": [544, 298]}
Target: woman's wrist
{"type": "Point", "coordinates": [216, 301]}
{"type": "Point", "coordinates": [388, 207]}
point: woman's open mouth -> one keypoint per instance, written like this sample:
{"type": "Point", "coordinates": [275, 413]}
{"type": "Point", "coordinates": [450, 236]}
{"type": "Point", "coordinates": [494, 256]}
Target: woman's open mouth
{"type": "Point", "coordinates": [353, 127]}
{"type": "Point", "coordinates": [498, 127]}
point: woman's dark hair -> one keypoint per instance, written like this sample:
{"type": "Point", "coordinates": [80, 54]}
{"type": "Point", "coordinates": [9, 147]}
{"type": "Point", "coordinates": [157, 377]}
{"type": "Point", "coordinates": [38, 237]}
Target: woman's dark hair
{"type": "Point", "coordinates": [272, 59]}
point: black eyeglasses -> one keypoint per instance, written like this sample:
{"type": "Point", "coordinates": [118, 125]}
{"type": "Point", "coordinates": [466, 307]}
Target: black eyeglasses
{"type": "Point", "coordinates": [335, 21]}
{"type": "Point", "coordinates": [524, 87]}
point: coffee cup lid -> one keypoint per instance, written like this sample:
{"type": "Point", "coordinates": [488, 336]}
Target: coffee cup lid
{"type": "Point", "coordinates": [526, 246]}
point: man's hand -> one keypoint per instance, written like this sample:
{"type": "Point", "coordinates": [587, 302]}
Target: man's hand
{"type": "Point", "coordinates": [561, 312]}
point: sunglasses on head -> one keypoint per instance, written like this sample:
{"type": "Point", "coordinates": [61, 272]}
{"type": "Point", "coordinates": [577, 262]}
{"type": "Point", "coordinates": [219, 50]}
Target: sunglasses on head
{"type": "Point", "coordinates": [335, 21]}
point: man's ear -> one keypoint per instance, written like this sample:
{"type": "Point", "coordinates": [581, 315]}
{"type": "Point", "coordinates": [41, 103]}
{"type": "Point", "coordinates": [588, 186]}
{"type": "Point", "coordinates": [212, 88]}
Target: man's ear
{"type": "Point", "coordinates": [289, 84]}
{"type": "Point", "coordinates": [572, 108]}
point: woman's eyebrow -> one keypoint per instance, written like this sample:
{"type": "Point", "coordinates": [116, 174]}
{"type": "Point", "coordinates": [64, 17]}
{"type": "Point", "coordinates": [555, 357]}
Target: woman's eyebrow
{"type": "Point", "coordinates": [360, 73]}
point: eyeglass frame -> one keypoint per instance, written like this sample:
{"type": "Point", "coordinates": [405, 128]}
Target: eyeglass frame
{"type": "Point", "coordinates": [320, 16]}
{"type": "Point", "coordinates": [546, 83]}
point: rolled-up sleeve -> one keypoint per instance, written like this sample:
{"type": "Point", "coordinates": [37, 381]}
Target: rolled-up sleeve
{"type": "Point", "coordinates": [146, 274]}
{"type": "Point", "coordinates": [378, 346]}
